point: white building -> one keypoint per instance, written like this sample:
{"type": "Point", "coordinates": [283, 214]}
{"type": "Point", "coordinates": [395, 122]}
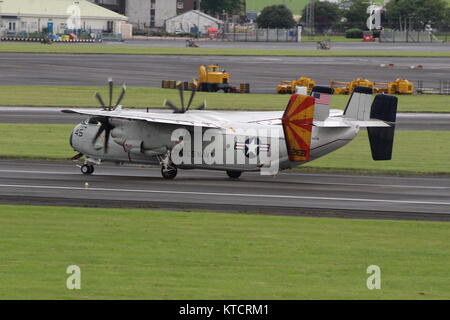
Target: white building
{"type": "Point", "coordinates": [30, 16]}
{"type": "Point", "coordinates": [191, 19]}
{"type": "Point", "coordinates": [145, 13]}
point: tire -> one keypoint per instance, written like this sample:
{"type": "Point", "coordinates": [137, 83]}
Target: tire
{"type": "Point", "coordinates": [87, 169]}
{"type": "Point", "coordinates": [234, 174]}
{"type": "Point", "coordinates": [169, 174]}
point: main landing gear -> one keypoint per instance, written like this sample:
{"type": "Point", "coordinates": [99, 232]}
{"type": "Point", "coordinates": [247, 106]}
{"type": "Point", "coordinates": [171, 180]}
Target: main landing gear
{"type": "Point", "coordinates": [87, 169]}
{"type": "Point", "coordinates": [234, 174]}
{"type": "Point", "coordinates": [168, 169]}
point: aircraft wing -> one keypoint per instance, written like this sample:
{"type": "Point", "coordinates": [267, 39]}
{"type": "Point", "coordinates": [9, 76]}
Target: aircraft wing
{"type": "Point", "coordinates": [185, 119]}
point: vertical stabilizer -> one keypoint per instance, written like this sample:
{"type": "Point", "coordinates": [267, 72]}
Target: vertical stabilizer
{"type": "Point", "coordinates": [297, 125]}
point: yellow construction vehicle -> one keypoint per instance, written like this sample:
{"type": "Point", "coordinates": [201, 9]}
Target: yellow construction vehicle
{"type": "Point", "coordinates": [290, 87]}
{"type": "Point", "coordinates": [212, 79]}
{"type": "Point", "coordinates": [349, 87]}
{"type": "Point", "coordinates": [340, 87]}
{"type": "Point", "coordinates": [398, 86]}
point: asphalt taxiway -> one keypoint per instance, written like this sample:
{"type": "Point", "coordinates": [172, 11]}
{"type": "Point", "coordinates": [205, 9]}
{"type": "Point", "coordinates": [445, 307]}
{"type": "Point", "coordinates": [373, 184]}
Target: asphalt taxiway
{"type": "Point", "coordinates": [263, 73]}
{"type": "Point", "coordinates": [405, 121]}
{"type": "Point", "coordinates": [289, 193]}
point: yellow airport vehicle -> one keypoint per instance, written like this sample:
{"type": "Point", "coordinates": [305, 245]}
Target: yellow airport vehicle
{"type": "Point", "coordinates": [289, 87]}
{"type": "Point", "coordinates": [398, 86]}
{"type": "Point", "coordinates": [212, 79]}
{"type": "Point", "coordinates": [348, 87]}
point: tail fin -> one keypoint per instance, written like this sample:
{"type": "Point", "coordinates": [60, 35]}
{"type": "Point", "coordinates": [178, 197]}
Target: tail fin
{"type": "Point", "coordinates": [358, 107]}
{"type": "Point", "coordinates": [384, 108]}
{"type": "Point", "coordinates": [297, 125]}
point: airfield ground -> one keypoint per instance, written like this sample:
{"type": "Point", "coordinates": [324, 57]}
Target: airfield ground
{"type": "Point", "coordinates": [151, 254]}
{"type": "Point", "coordinates": [190, 254]}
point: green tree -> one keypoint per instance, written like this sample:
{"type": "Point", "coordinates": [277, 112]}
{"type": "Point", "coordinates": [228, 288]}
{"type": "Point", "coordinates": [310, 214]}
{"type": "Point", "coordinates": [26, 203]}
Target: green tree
{"type": "Point", "coordinates": [415, 13]}
{"type": "Point", "coordinates": [276, 17]}
{"type": "Point", "coordinates": [355, 13]}
{"type": "Point", "coordinates": [326, 15]}
{"type": "Point", "coordinates": [214, 7]}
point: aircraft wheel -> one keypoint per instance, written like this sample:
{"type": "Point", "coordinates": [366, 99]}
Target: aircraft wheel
{"type": "Point", "coordinates": [234, 174]}
{"type": "Point", "coordinates": [169, 174]}
{"type": "Point", "coordinates": [87, 169]}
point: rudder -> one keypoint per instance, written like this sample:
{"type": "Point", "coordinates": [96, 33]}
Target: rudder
{"type": "Point", "coordinates": [297, 123]}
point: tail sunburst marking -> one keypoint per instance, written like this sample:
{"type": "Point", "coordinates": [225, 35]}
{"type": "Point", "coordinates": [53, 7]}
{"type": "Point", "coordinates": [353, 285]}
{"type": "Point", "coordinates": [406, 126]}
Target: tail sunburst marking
{"type": "Point", "coordinates": [297, 125]}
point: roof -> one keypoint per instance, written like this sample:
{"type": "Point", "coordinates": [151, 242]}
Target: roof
{"type": "Point", "coordinates": [56, 8]}
{"type": "Point", "coordinates": [198, 13]}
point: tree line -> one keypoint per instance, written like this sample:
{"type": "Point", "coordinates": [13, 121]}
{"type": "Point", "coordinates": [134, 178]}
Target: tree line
{"type": "Point", "coordinates": [347, 14]}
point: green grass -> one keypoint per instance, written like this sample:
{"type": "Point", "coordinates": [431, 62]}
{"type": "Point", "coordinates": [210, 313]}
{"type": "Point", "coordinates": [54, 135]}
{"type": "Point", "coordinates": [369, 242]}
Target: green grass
{"type": "Point", "coordinates": [415, 152]}
{"type": "Point", "coordinates": [35, 141]}
{"type": "Point", "coordinates": [152, 97]}
{"type": "Point", "coordinates": [148, 50]}
{"type": "Point", "coordinates": [144, 254]}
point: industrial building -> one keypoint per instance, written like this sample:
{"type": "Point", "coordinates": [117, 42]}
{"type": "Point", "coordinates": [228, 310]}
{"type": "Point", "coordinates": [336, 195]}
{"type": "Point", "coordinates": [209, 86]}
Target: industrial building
{"type": "Point", "coordinates": [192, 22]}
{"type": "Point", "coordinates": [149, 13]}
{"type": "Point", "coordinates": [57, 16]}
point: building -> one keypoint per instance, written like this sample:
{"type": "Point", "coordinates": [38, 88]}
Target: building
{"type": "Point", "coordinates": [188, 21]}
{"type": "Point", "coordinates": [145, 14]}
{"type": "Point", "coordinates": [57, 16]}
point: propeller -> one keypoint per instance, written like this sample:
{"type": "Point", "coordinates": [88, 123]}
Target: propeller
{"type": "Point", "coordinates": [184, 108]}
{"type": "Point", "coordinates": [105, 125]}
{"type": "Point", "coordinates": [110, 107]}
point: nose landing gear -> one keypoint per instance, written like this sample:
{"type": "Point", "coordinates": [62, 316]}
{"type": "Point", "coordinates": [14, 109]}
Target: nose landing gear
{"type": "Point", "coordinates": [87, 169]}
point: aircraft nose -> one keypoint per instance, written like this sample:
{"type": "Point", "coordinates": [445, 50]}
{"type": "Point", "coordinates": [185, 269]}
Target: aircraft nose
{"type": "Point", "coordinates": [71, 138]}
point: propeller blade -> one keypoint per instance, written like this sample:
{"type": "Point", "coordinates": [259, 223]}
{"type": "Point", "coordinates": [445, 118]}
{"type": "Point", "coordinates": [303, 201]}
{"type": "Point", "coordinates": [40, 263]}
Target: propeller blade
{"type": "Point", "coordinates": [191, 99]}
{"type": "Point", "coordinates": [122, 95]}
{"type": "Point", "coordinates": [99, 132]}
{"type": "Point", "coordinates": [107, 133]}
{"type": "Point", "coordinates": [99, 98]}
{"type": "Point", "coordinates": [111, 90]}
{"type": "Point", "coordinates": [172, 106]}
{"type": "Point", "coordinates": [105, 127]}
{"type": "Point", "coordinates": [181, 92]}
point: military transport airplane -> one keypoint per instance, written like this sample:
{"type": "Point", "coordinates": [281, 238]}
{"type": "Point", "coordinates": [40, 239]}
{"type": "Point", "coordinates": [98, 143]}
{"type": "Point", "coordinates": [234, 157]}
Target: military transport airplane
{"type": "Point", "coordinates": [232, 141]}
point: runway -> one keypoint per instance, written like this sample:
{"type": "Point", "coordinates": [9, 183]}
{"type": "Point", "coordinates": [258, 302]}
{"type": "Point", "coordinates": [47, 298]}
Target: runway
{"type": "Point", "coordinates": [289, 193]}
{"type": "Point", "coordinates": [263, 73]}
{"type": "Point", "coordinates": [405, 121]}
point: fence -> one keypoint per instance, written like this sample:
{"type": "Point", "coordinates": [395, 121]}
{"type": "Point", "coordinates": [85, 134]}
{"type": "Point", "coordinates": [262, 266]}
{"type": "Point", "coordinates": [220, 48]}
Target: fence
{"type": "Point", "coordinates": [261, 35]}
{"type": "Point", "coordinates": [432, 87]}
{"type": "Point", "coordinates": [408, 36]}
